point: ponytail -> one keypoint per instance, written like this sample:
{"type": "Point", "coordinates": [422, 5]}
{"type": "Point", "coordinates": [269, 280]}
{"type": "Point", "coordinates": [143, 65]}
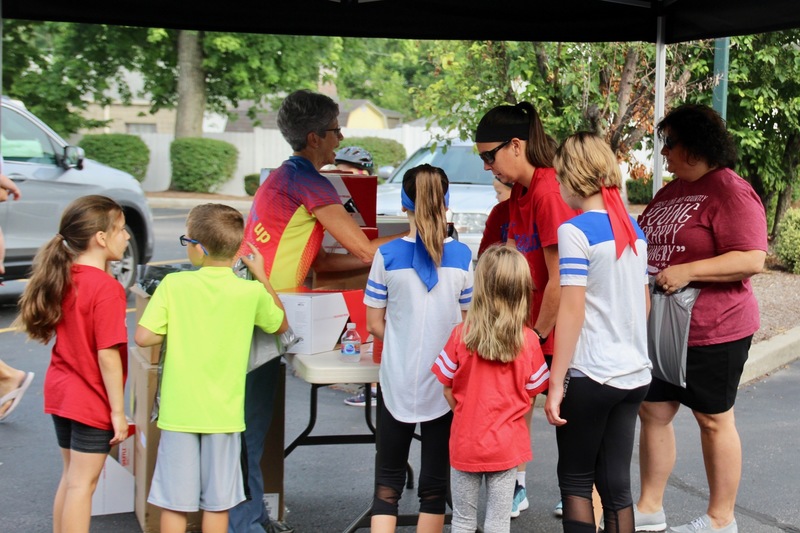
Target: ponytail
{"type": "Point", "coordinates": [426, 186]}
{"type": "Point", "coordinates": [541, 147]}
{"type": "Point", "coordinates": [40, 303]}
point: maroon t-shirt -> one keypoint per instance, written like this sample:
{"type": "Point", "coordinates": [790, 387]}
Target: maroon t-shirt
{"type": "Point", "coordinates": [690, 221]}
{"type": "Point", "coordinates": [93, 318]}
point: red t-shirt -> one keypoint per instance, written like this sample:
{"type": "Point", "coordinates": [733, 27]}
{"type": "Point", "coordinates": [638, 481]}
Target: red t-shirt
{"type": "Point", "coordinates": [496, 229]}
{"type": "Point", "coordinates": [690, 221]}
{"type": "Point", "coordinates": [535, 215]}
{"type": "Point", "coordinates": [93, 318]}
{"type": "Point", "coordinates": [489, 433]}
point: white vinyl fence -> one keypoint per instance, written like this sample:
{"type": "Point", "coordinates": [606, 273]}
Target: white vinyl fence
{"type": "Point", "coordinates": [260, 149]}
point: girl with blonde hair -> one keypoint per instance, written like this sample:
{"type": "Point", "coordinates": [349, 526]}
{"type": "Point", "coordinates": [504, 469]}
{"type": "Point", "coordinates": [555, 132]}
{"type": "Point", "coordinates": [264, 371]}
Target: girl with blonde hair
{"type": "Point", "coordinates": [71, 296]}
{"type": "Point", "coordinates": [419, 288]}
{"type": "Point", "coordinates": [601, 340]}
{"type": "Point", "coordinates": [491, 367]}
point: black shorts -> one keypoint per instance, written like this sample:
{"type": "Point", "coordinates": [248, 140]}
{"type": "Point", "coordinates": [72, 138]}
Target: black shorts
{"type": "Point", "coordinates": [712, 378]}
{"type": "Point", "coordinates": [72, 435]}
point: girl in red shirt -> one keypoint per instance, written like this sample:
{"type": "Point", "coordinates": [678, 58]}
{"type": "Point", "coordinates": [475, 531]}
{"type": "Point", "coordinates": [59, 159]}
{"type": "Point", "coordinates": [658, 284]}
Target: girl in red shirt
{"type": "Point", "coordinates": [491, 368]}
{"type": "Point", "coordinates": [71, 297]}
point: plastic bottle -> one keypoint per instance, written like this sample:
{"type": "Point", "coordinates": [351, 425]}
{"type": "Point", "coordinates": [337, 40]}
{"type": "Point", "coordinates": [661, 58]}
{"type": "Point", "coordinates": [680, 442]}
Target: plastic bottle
{"type": "Point", "coordinates": [351, 344]}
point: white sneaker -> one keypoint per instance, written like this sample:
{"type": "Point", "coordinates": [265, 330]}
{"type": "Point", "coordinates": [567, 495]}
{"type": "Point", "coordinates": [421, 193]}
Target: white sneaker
{"type": "Point", "coordinates": [649, 521]}
{"type": "Point", "coordinates": [702, 524]}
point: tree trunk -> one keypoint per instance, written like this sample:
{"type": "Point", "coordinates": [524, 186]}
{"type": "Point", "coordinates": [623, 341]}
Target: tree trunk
{"type": "Point", "coordinates": [191, 85]}
{"type": "Point", "coordinates": [790, 163]}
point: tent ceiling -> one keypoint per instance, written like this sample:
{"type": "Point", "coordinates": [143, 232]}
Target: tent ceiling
{"type": "Point", "coordinates": [521, 20]}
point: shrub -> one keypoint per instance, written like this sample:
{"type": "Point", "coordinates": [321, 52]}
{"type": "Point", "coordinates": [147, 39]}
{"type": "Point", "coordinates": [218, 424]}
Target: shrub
{"type": "Point", "coordinates": [641, 191]}
{"type": "Point", "coordinates": [201, 165]}
{"type": "Point", "coordinates": [119, 150]}
{"type": "Point", "coordinates": [251, 182]}
{"type": "Point", "coordinates": [384, 151]}
{"type": "Point", "coordinates": [788, 247]}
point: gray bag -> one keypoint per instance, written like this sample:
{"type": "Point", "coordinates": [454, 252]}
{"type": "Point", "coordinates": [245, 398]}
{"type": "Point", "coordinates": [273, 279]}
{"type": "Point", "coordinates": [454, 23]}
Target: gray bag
{"type": "Point", "coordinates": [668, 332]}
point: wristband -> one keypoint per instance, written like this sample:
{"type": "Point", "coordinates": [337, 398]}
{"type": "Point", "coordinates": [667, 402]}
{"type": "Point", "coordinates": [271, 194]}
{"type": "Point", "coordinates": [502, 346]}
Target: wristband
{"type": "Point", "coordinates": [542, 338]}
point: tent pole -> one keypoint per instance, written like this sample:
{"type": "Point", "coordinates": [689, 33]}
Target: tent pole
{"type": "Point", "coordinates": [721, 55]}
{"type": "Point", "coordinates": [658, 111]}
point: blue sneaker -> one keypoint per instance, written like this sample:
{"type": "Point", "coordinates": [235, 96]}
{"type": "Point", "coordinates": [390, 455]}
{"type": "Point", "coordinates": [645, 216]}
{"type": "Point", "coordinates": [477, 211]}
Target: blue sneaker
{"type": "Point", "coordinates": [520, 502]}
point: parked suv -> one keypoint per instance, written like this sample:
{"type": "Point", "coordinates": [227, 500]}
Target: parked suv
{"type": "Point", "coordinates": [50, 174]}
{"type": "Point", "coordinates": [471, 193]}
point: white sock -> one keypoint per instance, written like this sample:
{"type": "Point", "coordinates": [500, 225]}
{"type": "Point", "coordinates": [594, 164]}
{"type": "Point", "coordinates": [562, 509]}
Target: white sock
{"type": "Point", "coordinates": [521, 478]}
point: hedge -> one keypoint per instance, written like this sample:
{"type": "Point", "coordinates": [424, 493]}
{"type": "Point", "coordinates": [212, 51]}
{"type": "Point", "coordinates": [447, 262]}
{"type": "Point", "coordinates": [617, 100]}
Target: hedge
{"type": "Point", "coordinates": [119, 150]}
{"type": "Point", "coordinates": [788, 247]}
{"type": "Point", "coordinates": [201, 165]}
{"type": "Point", "coordinates": [384, 151]}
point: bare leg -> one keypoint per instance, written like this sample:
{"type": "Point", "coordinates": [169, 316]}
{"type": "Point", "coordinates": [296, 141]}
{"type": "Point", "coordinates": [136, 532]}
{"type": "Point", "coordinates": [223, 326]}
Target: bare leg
{"type": "Point", "coordinates": [722, 455]}
{"type": "Point", "coordinates": [174, 521]}
{"type": "Point", "coordinates": [215, 521]}
{"type": "Point", "coordinates": [82, 473]}
{"type": "Point", "coordinates": [430, 523]}
{"type": "Point", "coordinates": [383, 523]}
{"type": "Point", "coordinates": [58, 503]}
{"type": "Point", "coordinates": [656, 453]}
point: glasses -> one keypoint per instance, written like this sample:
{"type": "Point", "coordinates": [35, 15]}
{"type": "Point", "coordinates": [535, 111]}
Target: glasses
{"type": "Point", "coordinates": [186, 241]}
{"type": "Point", "coordinates": [489, 155]}
{"type": "Point", "coordinates": [337, 131]}
{"type": "Point", "coordinates": [670, 142]}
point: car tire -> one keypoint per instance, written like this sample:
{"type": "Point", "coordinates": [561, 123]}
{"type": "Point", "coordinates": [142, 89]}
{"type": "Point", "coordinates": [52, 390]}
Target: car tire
{"type": "Point", "coordinates": [125, 270]}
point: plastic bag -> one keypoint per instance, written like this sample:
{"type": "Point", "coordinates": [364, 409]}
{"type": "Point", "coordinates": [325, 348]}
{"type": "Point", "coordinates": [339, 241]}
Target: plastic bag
{"type": "Point", "coordinates": [668, 332]}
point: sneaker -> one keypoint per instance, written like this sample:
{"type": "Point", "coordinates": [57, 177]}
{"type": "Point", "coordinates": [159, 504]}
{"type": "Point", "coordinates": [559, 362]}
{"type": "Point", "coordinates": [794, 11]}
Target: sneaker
{"type": "Point", "coordinates": [520, 502]}
{"type": "Point", "coordinates": [702, 524]}
{"type": "Point", "coordinates": [558, 510]}
{"type": "Point", "coordinates": [361, 398]}
{"type": "Point", "coordinates": [649, 522]}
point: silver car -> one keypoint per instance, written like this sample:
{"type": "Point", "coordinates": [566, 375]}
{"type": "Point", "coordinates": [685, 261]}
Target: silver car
{"type": "Point", "coordinates": [50, 174]}
{"type": "Point", "coordinates": [472, 196]}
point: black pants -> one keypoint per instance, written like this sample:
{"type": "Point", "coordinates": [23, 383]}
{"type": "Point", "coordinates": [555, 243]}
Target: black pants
{"type": "Point", "coordinates": [394, 442]}
{"type": "Point", "coordinates": [595, 447]}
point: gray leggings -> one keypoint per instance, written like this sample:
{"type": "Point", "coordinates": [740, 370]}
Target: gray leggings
{"type": "Point", "coordinates": [465, 487]}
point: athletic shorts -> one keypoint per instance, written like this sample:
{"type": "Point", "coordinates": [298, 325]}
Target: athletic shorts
{"type": "Point", "coordinates": [72, 435]}
{"type": "Point", "coordinates": [197, 471]}
{"type": "Point", "coordinates": [712, 378]}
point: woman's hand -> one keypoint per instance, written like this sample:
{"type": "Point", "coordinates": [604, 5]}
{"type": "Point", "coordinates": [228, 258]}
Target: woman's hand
{"type": "Point", "coordinates": [120, 424]}
{"type": "Point", "coordinates": [552, 407]}
{"type": "Point", "coordinates": [673, 278]}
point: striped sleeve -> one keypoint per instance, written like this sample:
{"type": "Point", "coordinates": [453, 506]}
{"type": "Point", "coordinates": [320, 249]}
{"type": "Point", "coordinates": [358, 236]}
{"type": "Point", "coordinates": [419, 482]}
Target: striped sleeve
{"type": "Point", "coordinates": [539, 379]}
{"type": "Point", "coordinates": [573, 255]}
{"type": "Point", "coordinates": [376, 292]}
{"type": "Point", "coordinates": [446, 364]}
{"type": "Point", "coordinates": [465, 299]}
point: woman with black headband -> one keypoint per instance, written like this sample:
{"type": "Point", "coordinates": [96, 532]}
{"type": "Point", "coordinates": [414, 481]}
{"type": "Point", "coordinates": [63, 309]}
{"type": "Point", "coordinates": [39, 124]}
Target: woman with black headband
{"type": "Point", "coordinates": [513, 144]}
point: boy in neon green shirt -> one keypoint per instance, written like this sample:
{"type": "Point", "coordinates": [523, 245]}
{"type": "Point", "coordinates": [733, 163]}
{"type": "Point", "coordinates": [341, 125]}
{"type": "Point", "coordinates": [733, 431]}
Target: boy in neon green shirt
{"type": "Point", "coordinates": [209, 315]}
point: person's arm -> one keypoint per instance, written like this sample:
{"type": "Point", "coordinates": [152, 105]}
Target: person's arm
{"type": "Point", "coordinates": [730, 266]}
{"type": "Point", "coordinates": [551, 293]}
{"type": "Point", "coordinates": [335, 219]}
{"type": "Point", "coordinates": [376, 321]}
{"type": "Point", "coordinates": [9, 187]}
{"type": "Point", "coordinates": [571, 315]}
{"type": "Point", "coordinates": [256, 267]}
{"type": "Point", "coordinates": [448, 395]}
{"type": "Point", "coordinates": [144, 337]}
{"type": "Point", "coordinates": [111, 370]}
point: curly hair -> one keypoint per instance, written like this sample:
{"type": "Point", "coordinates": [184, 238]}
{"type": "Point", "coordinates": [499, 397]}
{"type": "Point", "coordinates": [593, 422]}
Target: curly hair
{"type": "Point", "coordinates": [702, 133]}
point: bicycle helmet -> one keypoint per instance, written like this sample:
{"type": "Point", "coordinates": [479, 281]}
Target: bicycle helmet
{"type": "Point", "coordinates": [355, 155]}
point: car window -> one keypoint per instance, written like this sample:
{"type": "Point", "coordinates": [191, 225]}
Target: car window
{"type": "Point", "coordinates": [460, 163]}
{"type": "Point", "coordinates": [23, 141]}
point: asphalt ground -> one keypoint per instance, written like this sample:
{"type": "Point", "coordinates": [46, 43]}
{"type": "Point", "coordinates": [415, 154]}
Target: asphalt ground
{"type": "Point", "coordinates": [326, 487]}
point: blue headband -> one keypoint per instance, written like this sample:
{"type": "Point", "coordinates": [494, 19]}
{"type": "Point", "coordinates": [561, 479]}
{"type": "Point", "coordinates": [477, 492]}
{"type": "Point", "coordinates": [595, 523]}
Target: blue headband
{"type": "Point", "coordinates": [422, 262]}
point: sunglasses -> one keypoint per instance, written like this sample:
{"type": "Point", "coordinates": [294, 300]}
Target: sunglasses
{"type": "Point", "coordinates": [489, 155]}
{"type": "Point", "coordinates": [337, 131]}
{"type": "Point", "coordinates": [186, 241]}
{"type": "Point", "coordinates": [670, 142]}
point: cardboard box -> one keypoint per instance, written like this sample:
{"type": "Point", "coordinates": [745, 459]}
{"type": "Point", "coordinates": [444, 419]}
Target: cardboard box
{"type": "Point", "coordinates": [143, 379]}
{"type": "Point", "coordinates": [320, 317]}
{"type": "Point", "coordinates": [151, 353]}
{"type": "Point", "coordinates": [114, 491]}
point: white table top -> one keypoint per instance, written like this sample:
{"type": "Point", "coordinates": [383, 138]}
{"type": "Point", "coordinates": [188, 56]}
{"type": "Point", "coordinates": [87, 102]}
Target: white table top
{"type": "Point", "coordinates": [326, 368]}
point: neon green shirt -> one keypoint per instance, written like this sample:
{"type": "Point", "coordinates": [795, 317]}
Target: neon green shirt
{"type": "Point", "coordinates": [208, 317]}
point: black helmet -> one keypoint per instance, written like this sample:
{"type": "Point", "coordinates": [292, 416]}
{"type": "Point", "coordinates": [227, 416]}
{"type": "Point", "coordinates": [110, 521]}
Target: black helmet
{"type": "Point", "coordinates": [355, 155]}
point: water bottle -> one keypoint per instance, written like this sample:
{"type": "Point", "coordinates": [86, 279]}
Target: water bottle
{"type": "Point", "coordinates": [351, 344]}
